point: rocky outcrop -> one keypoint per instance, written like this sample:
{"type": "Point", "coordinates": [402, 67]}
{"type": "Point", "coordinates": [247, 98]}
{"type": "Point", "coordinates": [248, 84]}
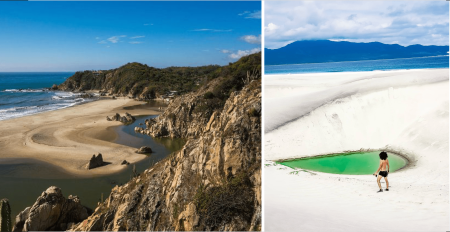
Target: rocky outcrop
{"type": "Point", "coordinates": [212, 183]}
{"type": "Point", "coordinates": [87, 95]}
{"type": "Point", "coordinates": [5, 215]}
{"type": "Point", "coordinates": [95, 161]}
{"type": "Point", "coordinates": [51, 211]}
{"type": "Point", "coordinates": [54, 87]}
{"type": "Point", "coordinates": [127, 119]}
{"type": "Point", "coordinates": [144, 150]}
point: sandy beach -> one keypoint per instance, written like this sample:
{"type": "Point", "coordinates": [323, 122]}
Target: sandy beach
{"type": "Point", "coordinates": [67, 138]}
{"type": "Point", "coordinates": [403, 111]}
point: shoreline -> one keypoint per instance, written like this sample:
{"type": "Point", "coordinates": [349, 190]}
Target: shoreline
{"type": "Point", "coordinates": [408, 161]}
{"type": "Point", "coordinates": [84, 101]}
{"type": "Point", "coordinates": [67, 138]}
{"type": "Point", "coordinates": [348, 72]}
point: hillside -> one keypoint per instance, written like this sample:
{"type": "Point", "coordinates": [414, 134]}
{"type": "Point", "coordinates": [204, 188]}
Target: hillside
{"type": "Point", "coordinates": [319, 51]}
{"type": "Point", "coordinates": [139, 80]}
{"type": "Point", "coordinates": [214, 182]}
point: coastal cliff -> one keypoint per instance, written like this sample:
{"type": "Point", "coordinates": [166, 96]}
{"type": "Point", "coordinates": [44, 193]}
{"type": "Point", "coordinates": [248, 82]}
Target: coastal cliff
{"type": "Point", "coordinates": [214, 181]}
{"type": "Point", "coordinates": [139, 80]}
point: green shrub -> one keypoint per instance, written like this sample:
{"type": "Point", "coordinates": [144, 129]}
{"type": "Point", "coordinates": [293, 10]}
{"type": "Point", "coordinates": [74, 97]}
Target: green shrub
{"type": "Point", "coordinates": [219, 204]}
{"type": "Point", "coordinates": [253, 113]}
{"type": "Point", "coordinates": [171, 116]}
{"type": "Point", "coordinates": [208, 95]}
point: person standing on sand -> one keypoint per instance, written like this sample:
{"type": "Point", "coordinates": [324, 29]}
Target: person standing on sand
{"type": "Point", "coordinates": [381, 171]}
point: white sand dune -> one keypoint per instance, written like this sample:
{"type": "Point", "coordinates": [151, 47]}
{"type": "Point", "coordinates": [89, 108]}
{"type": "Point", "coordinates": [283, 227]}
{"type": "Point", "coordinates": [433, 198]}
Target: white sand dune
{"type": "Point", "coordinates": [402, 111]}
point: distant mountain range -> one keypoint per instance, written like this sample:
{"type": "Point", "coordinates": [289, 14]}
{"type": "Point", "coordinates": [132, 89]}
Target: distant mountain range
{"type": "Point", "coordinates": [320, 51]}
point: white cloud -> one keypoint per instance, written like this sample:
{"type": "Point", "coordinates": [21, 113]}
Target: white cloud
{"type": "Point", "coordinates": [241, 53]}
{"type": "Point", "coordinates": [102, 42]}
{"type": "Point", "coordinates": [251, 15]}
{"type": "Point", "coordinates": [148, 24]}
{"type": "Point", "coordinates": [212, 30]}
{"type": "Point", "coordinates": [115, 39]}
{"type": "Point", "coordinates": [97, 37]}
{"type": "Point", "coordinates": [252, 39]}
{"type": "Point", "coordinates": [406, 23]}
{"type": "Point", "coordinates": [271, 27]}
{"type": "Point", "coordinates": [225, 51]}
{"type": "Point", "coordinates": [135, 42]}
{"type": "Point", "coordinates": [137, 37]}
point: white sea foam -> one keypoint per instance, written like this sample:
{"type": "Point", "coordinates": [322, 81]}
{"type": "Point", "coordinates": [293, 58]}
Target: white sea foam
{"type": "Point", "coordinates": [59, 100]}
{"type": "Point", "coordinates": [24, 90]}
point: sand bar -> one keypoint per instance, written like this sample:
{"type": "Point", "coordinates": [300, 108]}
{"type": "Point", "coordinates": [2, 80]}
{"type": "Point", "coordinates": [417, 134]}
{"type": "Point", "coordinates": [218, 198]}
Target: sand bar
{"type": "Point", "coordinates": [69, 137]}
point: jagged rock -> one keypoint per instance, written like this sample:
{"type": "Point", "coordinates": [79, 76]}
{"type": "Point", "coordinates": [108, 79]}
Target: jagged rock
{"type": "Point", "coordinates": [188, 219]}
{"type": "Point", "coordinates": [5, 215]}
{"type": "Point", "coordinates": [124, 162]}
{"type": "Point", "coordinates": [113, 97]}
{"type": "Point", "coordinates": [54, 87]}
{"type": "Point", "coordinates": [144, 150]}
{"type": "Point", "coordinates": [51, 211]}
{"type": "Point", "coordinates": [96, 161]}
{"type": "Point", "coordinates": [128, 118]}
{"type": "Point", "coordinates": [116, 117]}
{"type": "Point", "coordinates": [86, 95]}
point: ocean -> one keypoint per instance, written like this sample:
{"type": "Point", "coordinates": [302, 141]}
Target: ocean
{"type": "Point", "coordinates": [363, 65]}
{"type": "Point", "coordinates": [26, 93]}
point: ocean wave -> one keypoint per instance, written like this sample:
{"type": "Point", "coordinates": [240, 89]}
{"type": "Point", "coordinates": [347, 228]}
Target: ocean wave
{"type": "Point", "coordinates": [24, 90]}
{"type": "Point", "coordinates": [56, 104]}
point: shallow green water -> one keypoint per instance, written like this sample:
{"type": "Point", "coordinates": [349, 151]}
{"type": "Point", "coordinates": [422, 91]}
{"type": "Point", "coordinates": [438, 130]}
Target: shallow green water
{"type": "Point", "coordinates": [363, 163]}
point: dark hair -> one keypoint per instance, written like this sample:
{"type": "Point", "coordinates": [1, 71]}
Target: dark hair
{"type": "Point", "coordinates": [383, 155]}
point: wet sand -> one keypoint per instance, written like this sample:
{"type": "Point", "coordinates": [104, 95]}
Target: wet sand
{"type": "Point", "coordinates": [68, 138]}
{"type": "Point", "coordinates": [22, 180]}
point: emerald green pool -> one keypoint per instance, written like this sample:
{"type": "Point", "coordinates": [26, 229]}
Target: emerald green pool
{"type": "Point", "coordinates": [357, 163]}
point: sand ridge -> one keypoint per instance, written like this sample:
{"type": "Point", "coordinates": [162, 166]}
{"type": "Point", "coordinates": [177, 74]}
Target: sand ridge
{"type": "Point", "coordinates": [404, 116]}
{"type": "Point", "coordinates": [69, 137]}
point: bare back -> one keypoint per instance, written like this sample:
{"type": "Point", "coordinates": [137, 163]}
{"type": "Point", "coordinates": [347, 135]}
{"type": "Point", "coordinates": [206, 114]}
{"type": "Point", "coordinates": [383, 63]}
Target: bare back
{"type": "Point", "coordinates": [383, 164]}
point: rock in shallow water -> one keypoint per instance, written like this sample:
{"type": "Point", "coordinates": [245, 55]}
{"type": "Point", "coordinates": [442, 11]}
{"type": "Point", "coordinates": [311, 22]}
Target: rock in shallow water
{"type": "Point", "coordinates": [5, 215]}
{"type": "Point", "coordinates": [144, 150]}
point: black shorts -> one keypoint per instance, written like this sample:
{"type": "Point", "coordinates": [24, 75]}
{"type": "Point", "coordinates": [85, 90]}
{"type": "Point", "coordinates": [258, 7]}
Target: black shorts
{"type": "Point", "coordinates": [383, 173]}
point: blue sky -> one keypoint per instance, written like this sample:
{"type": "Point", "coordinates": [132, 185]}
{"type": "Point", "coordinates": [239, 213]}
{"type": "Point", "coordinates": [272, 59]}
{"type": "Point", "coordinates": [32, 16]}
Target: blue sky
{"type": "Point", "coordinates": [71, 36]}
{"type": "Point", "coordinates": [390, 22]}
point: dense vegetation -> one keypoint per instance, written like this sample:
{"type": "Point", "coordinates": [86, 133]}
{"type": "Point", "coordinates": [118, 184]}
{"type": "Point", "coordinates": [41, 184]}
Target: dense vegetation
{"type": "Point", "coordinates": [141, 81]}
{"type": "Point", "coordinates": [220, 204]}
{"type": "Point", "coordinates": [233, 77]}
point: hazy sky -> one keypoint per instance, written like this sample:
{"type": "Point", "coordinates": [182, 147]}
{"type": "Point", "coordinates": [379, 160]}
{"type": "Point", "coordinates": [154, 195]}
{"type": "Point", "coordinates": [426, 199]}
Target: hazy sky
{"type": "Point", "coordinates": [403, 22]}
{"type": "Point", "coordinates": [71, 36]}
